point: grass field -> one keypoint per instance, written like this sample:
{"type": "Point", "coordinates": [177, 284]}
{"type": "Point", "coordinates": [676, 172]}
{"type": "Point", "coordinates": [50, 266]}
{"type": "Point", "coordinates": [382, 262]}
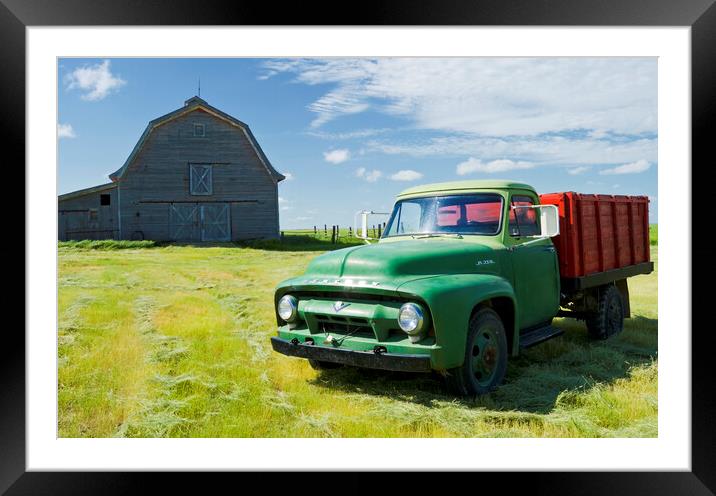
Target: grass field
{"type": "Point", "coordinates": [174, 341]}
{"type": "Point", "coordinates": [654, 234]}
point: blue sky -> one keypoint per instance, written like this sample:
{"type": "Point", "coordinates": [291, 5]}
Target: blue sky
{"type": "Point", "coordinates": [351, 133]}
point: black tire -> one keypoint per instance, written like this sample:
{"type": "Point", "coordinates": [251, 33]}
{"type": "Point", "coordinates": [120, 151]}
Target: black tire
{"type": "Point", "coordinates": [469, 379]}
{"type": "Point", "coordinates": [608, 321]}
{"type": "Point", "coordinates": [321, 365]}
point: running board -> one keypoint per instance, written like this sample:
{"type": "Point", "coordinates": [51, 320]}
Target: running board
{"type": "Point", "coordinates": [539, 335]}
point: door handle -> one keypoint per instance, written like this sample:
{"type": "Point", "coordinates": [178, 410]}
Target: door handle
{"type": "Point", "coordinates": [549, 248]}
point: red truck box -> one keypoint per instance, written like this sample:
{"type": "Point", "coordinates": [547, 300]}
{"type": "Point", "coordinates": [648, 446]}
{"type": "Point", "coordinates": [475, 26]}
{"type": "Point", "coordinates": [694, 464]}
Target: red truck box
{"type": "Point", "coordinates": [600, 233]}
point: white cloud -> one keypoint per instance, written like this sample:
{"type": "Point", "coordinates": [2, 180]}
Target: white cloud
{"type": "Point", "coordinates": [96, 81]}
{"type": "Point", "coordinates": [406, 175]}
{"type": "Point", "coordinates": [65, 131]}
{"type": "Point", "coordinates": [373, 176]}
{"type": "Point", "coordinates": [473, 165]}
{"type": "Point", "coordinates": [469, 166]}
{"type": "Point", "coordinates": [630, 168]}
{"type": "Point", "coordinates": [337, 156]}
{"type": "Point", "coordinates": [346, 98]}
{"type": "Point", "coordinates": [488, 96]}
{"type": "Point", "coordinates": [598, 134]}
{"type": "Point", "coordinates": [334, 103]}
{"type": "Point", "coordinates": [359, 133]}
{"type": "Point", "coordinates": [289, 176]}
{"type": "Point", "coordinates": [577, 170]}
{"type": "Point", "coordinates": [561, 111]}
{"type": "Point", "coordinates": [370, 176]}
{"type": "Point", "coordinates": [556, 150]}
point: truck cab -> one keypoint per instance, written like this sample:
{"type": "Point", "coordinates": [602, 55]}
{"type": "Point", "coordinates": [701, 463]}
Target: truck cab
{"type": "Point", "coordinates": [464, 275]}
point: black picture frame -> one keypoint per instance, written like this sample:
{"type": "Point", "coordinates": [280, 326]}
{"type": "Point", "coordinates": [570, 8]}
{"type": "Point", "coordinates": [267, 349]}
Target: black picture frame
{"type": "Point", "coordinates": [700, 15]}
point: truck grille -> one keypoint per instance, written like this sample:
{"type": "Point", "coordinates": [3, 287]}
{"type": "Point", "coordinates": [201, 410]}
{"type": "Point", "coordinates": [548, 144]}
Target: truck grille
{"type": "Point", "coordinates": [354, 326]}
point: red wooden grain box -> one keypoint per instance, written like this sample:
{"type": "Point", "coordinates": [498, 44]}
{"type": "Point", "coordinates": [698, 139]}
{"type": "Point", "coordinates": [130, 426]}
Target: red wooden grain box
{"type": "Point", "coordinates": [599, 233]}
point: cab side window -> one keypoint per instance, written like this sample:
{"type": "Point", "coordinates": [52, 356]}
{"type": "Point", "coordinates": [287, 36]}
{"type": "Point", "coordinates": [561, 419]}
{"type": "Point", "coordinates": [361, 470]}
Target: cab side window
{"type": "Point", "coordinates": [523, 221]}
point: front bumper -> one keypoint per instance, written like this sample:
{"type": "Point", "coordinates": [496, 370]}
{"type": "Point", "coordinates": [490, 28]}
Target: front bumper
{"type": "Point", "coordinates": [365, 359]}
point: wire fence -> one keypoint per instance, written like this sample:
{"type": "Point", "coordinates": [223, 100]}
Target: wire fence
{"type": "Point", "coordinates": [335, 233]}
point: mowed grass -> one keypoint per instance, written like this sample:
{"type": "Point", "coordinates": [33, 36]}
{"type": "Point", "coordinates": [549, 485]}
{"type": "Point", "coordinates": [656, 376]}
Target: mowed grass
{"type": "Point", "coordinates": [173, 341]}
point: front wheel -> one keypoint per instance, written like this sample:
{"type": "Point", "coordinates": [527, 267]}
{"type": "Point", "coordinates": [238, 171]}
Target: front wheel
{"type": "Point", "coordinates": [485, 361]}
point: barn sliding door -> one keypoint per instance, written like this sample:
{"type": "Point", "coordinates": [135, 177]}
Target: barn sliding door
{"type": "Point", "coordinates": [184, 222]}
{"type": "Point", "coordinates": [199, 222]}
{"type": "Point", "coordinates": [215, 222]}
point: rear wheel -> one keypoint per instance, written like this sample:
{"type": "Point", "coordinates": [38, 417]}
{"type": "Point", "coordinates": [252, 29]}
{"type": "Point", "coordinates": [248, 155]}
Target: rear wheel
{"type": "Point", "coordinates": [321, 365]}
{"type": "Point", "coordinates": [609, 318]}
{"type": "Point", "coordinates": [485, 362]}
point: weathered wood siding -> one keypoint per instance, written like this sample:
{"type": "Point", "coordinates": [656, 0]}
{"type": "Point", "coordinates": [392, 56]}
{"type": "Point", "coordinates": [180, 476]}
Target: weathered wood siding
{"type": "Point", "coordinates": [160, 175]}
{"type": "Point", "coordinates": [83, 217]}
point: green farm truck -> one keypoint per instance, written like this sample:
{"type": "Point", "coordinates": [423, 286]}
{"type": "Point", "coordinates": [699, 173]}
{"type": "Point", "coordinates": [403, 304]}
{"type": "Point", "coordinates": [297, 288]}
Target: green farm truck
{"type": "Point", "coordinates": [465, 275]}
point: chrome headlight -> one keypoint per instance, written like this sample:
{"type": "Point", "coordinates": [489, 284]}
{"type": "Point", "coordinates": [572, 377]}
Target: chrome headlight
{"type": "Point", "coordinates": [288, 308]}
{"type": "Point", "coordinates": [411, 318]}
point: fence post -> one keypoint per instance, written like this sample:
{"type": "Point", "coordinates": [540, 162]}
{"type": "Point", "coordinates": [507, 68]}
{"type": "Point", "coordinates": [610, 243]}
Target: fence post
{"type": "Point", "coordinates": [379, 226]}
{"type": "Point", "coordinates": [282, 235]}
{"type": "Point", "coordinates": [315, 231]}
{"type": "Point", "coordinates": [325, 229]}
{"type": "Point", "coordinates": [333, 234]}
{"type": "Point", "coordinates": [350, 232]}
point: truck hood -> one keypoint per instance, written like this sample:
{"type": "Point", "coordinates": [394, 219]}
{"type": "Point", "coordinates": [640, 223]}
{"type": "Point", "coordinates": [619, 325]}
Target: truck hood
{"type": "Point", "coordinates": [401, 261]}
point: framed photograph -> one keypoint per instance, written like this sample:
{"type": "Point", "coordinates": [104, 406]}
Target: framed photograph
{"type": "Point", "coordinates": [426, 241]}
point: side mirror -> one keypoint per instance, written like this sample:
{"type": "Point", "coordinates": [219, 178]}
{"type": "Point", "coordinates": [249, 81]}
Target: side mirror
{"type": "Point", "coordinates": [361, 229]}
{"type": "Point", "coordinates": [549, 220]}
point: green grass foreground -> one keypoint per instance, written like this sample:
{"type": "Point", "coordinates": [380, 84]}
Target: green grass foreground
{"type": "Point", "coordinates": [105, 244]}
{"type": "Point", "coordinates": [173, 341]}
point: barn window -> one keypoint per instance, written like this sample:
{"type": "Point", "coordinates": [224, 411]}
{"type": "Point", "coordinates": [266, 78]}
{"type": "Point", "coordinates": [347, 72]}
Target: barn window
{"type": "Point", "coordinates": [199, 130]}
{"type": "Point", "coordinates": [104, 200]}
{"type": "Point", "coordinates": [200, 179]}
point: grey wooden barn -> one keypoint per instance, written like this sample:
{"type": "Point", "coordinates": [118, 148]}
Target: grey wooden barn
{"type": "Point", "coordinates": [196, 174]}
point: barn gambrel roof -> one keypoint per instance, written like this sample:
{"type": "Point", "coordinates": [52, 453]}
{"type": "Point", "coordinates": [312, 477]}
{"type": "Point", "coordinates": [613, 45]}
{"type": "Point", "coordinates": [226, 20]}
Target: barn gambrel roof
{"type": "Point", "coordinates": [191, 105]}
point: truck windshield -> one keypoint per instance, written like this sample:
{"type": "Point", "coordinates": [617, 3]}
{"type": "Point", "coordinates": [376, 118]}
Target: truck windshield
{"type": "Point", "coordinates": [456, 214]}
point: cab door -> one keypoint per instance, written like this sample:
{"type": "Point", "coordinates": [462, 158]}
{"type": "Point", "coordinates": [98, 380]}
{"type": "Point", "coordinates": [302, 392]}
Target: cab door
{"type": "Point", "coordinates": [535, 269]}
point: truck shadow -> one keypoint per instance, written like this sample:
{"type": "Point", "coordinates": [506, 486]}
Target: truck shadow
{"type": "Point", "coordinates": [535, 379]}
